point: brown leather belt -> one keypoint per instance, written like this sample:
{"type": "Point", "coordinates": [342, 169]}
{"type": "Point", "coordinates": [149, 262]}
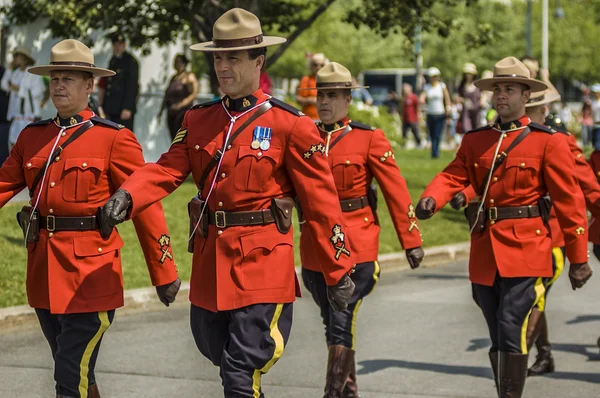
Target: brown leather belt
{"type": "Point", "coordinates": [224, 219]}
{"type": "Point", "coordinates": [354, 204]}
{"type": "Point", "coordinates": [505, 213]}
{"type": "Point", "coordinates": [54, 223]}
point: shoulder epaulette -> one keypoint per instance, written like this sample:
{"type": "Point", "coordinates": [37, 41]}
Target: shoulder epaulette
{"type": "Point", "coordinates": [206, 104]}
{"type": "Point", "coordinates": [40, 123]}
{"type": "Point", "coordinates": [286, 106]}
{"type": "Point", "coordinates": [541, 127]}
{"type": "Point", "coordinates": [106, 122]}
{"type": "Point", "coordinates": [361, 126]}
{"type": "Point", "coordinates": [486, 127]}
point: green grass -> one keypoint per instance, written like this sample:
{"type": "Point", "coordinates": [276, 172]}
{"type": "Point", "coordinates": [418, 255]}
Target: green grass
{"type": "Point", "coordinates": [417, 167]}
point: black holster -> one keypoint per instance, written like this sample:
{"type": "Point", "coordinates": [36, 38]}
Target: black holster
{"type": "Point", "coordinates": [372, 199]}
{"type": "Point", "coordinates": [29, 221]}
{"type": "Point", "coordinates": [471, 214]}
{"type": "Point", "coordinates": [194, 211]}
{"type": "Point", "coordinates": [282, 213]}
{"type": "Point", "coordinates": [545, 204]}
{"type": "Point", "coordinates": [300, 214]}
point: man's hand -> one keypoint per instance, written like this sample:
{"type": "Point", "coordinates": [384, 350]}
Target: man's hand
{"type": "Point", "coordinates": [126, 114]}
{"type": "Point", "coordinates": [167, 293]}
{"type": "Point", "coordinates": [340, 294]}
{"type": "Point", "coordinates": [458, 201]}
{"type": "Point", "coordinates": [115, 210]}
{"type": "Point", "coordinates": [579, 274]}
{"type": "Point", "coordinates": [415, 256]}
{"type": "Point", "coordinates": [425, 208]}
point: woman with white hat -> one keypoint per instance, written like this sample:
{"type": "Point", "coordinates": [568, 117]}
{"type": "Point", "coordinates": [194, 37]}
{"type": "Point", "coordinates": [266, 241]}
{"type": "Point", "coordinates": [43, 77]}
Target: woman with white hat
{"type": "Point", "coordinates": [437, 100]}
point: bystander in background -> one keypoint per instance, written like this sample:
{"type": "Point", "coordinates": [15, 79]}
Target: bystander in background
{"type": "Point", "coordinates": [437, 100]}
{"type": "Point", "coordinates": [308, 98]}
{"type": "Point", "coordinates": [410, 115]}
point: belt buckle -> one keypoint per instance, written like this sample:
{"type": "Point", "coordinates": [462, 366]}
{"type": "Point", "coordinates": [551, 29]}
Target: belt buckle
{"type": "Point", "coordinates": [50, 223]}
{"type": "Point", "coordinates": [220, 213]}
{"type": "Point", "coordinates": [493, 213]}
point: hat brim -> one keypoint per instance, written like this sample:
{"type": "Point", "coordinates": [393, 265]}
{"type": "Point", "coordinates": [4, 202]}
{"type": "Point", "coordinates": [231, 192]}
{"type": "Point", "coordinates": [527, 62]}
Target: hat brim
{"type": "Point", "coordinates": [488, 84]}
{"type": "Point", "coordinates": [547, 99]}
{"type": "Point", "coordinates": [26, 55]}
{"type": "Point", "coordinates": [332, 88]}
{"type": "Point", "coordinates": [44, 70]}
{"type": "Point", "coordinates": [209, 46]}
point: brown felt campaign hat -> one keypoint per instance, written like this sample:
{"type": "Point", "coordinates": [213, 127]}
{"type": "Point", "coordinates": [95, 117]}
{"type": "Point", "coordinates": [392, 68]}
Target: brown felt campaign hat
{"type": "Point", "coordinates": [543, 97]}
{"type": "Point", "coordinates": [236, 30]}
{"type": "Point", "coordinates": [71, 55]}
{"type": "Point", "coordinates": [333, 76]}
{"type": "Point", "coordinates": [511, 70]}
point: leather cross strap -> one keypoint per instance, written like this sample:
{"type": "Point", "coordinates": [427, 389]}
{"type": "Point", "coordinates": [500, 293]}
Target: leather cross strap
{"type": "Point", "coordinates": [349, 205]}
{"type": "Point", "coordinates": [342, 135]}
{"type": "Point", "coordinates": [85, 127]}
{"type": "Point", "coordinates": [52, 223]}
{"type": "Point", "coordinates": [502, 157]}
{"type": "Point", "coordinates": [219, 153]}
{"type": "Point", "coordinates": [224, 219]}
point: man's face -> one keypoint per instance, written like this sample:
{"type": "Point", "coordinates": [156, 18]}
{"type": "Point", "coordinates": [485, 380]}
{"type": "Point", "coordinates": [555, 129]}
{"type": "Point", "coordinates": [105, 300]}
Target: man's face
{"type": "Point", "coordinates": [509, 100]}
{"type": "Point", "coordinates": [315, 66]}
{"type": "Point", "coordinates": [118, 47]}
{"type": "Point", "coordinates": [332, 105]}
{"type": "Point", "coordinates": [69, 91]}
{"type": "Point", "coordinates": [238, 75]}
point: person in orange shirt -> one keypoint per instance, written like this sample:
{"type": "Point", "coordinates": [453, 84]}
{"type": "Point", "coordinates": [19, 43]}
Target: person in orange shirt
{"type": "Point", "coordinates": [357, 154]}
{"type": "Point", "coordinates": [308, 98]}
{"type": "Point", "coordinates": [537, 332]}
{"type": "Point", "coordinates": [71, 164]}
{"type": "Point", "coordinates": [512, 165]}
{"type": "Point", "coordinates": [250, 155]}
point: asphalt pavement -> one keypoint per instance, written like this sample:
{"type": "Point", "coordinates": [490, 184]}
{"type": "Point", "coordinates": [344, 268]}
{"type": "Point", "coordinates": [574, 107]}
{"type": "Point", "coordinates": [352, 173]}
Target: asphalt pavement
{"type": "Point", "coordinates": [419, 335]}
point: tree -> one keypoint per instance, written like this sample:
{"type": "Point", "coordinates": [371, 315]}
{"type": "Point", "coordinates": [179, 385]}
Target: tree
{"type": "Point", "coordinates": [145, 22]}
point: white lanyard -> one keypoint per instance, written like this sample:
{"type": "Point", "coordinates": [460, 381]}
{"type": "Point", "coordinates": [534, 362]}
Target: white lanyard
{"type": "Point", "coordinates": [329, 133]}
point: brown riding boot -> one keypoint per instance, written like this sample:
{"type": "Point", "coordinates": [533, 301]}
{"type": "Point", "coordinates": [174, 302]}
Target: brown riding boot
{"type": "Point", "coordinates": [544, 361]}
{"type": "Point", "coordinates": [93, 391]}
{"type": "Point", "coordinates": [494, 362]}
{"type": "Point", "coordinates": [533, 327]}
{"type": "Point", "coordinates": [351, 387]}
{"type": "Point", "coordinates": [338, 370]}
{"type": "Point", "coordinates": [512, 374]}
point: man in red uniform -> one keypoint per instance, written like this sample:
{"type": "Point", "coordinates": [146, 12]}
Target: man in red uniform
{"type": "Point", "coordinates": [74, 278]}
{"type": "Point", "coordinates": [537, 330]}
{"type": "Point", "coordinates": [356, 153]}
{"type": "Point", "coordinates": [255, 155]}
{"type": "Point", "coordinates": [511, 246]}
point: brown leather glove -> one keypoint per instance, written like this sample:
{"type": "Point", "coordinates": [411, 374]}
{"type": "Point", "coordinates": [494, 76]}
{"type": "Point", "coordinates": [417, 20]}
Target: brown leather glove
{"type": "Point", "coordinates": [425, 208]}
{"type": "Point", "coordinates": [167, 293]}
{"type": "Point", "coordinates": [415, 256]}
{"type": "Point", "coordinates": [340, 294]}
{"type": "Point", "coordinates": [458, 201]}
{"type": "Point", "coordinates": [579, 274]}
{"type": "Point", "coordinates": [116, 209]}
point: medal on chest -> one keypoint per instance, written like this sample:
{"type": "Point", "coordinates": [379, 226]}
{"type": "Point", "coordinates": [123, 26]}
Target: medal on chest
{"type": "Point", "coordinates": [261, 138]}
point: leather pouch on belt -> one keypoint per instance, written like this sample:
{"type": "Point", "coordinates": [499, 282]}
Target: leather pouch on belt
{"type": "Point", "coordinates": [372, 199]}
{"type": "Point", "coordinates": [471, 214]}
{"type": "Point", "coordinates": [29, 222]}
{"type": "Point", "coordinates": [282, 212]}
{"type": "Point", "coordinates": [194, 211]}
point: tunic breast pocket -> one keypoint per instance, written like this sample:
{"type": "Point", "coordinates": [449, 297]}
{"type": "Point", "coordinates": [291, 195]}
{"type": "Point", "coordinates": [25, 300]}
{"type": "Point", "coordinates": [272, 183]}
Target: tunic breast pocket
{"type": "Point", "coordinates": [521, 174]}
{"type": "Point", "coordinates": [254, 168]}
{"type": "Point", "coordinates": [79, 175]}
{"type": "Point", "coordinates": [345, 168]}
{"type": "Point", "coordinates": [32, 167]}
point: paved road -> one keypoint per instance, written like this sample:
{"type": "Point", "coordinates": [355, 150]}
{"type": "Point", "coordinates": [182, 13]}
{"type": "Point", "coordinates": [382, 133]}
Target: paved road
{"type": "Point", "coordinates": [420, 335]}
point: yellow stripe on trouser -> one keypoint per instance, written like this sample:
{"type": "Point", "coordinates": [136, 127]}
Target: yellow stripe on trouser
{"type": "Point", "coordinates": [278, 339]}
{"type": "Point", "coordinates": [540, 299]}
{"type": "Point", "coordinates": [376, 269]}
{"type": "Point", "coordinates": [559, 262]}
{"type": "Point", "coordinates": [84, 366]}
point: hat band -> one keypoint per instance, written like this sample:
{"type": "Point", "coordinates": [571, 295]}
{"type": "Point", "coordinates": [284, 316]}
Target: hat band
{"type": "Point", "coordinates": [246, 41]}
{"type": "Point", "coordinates": [513, 75]}
{"type": "Point", "coordinates": [68, 63]}
{"type": "Point", "coordinates": [335, 85]}
{"type": "Point", "coordinates": [537, 99]}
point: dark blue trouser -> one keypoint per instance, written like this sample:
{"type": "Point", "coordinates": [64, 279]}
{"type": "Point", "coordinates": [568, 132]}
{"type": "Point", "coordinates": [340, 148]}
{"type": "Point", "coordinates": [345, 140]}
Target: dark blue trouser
{"type": "Point", "coordinates": [435, 127]}
{"type": "Point", "coordinates": [75, 341]}
{"type": "Point", "coordinates": [245, 343]}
